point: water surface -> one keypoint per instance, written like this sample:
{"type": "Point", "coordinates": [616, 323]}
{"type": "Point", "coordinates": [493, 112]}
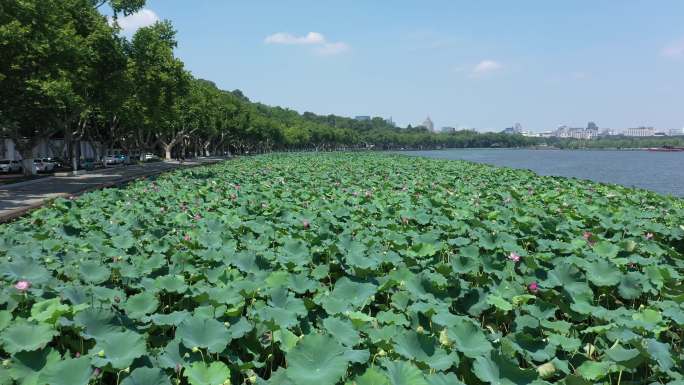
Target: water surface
{"type": "Point", "coordinates": [662, 172]}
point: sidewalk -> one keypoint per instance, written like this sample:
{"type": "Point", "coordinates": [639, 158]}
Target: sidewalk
{"type": "Point", "coordinates": [17, 199]}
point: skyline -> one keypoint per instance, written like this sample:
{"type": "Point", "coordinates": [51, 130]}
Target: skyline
{"type": "Point", "coordinates": [468, 65]}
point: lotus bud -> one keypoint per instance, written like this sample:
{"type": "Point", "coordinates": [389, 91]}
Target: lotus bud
{"type": "Point", "coordinates": [420, 330]}
{"type": "Point", "coordinates": [444, 338]}
{"type": "Point", "coordinates": [101, 353]}
{"type": "Point", "coordinates": [547, 370]}
{"type": "Point", "coordinates": [127, 370]}
{"type": "Point", "coordinates": [382, 353]}
{"type": "Point", "coordinates": [195, 349]}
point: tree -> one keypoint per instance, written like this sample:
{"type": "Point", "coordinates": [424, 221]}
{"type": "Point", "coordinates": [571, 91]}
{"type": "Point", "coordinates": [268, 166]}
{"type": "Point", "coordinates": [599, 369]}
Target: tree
{"type": "Point", "coordinates": [158, 79]}
{"type": "Point", "coordinates": [46, 52]}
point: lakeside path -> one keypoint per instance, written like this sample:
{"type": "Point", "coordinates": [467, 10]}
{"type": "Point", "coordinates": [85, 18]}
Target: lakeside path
{"type": "Point", "coordinates": [17, 199]}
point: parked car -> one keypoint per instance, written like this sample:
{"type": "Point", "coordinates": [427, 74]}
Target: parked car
{"type": "Point", "coordinates": [44, 165]}
{"type": "Point", "coordinates": [9, 166]}
{"type": "Point", "coordinates": [110, 160]}
{"type": "Point", "coordinates": [149, 156]}
{"type": "Point", "coordinates": [90, 164]}
{"type": "Point", "coordinates": [123, 159]}
{"type": "Point", "coordinates": [59, 163]}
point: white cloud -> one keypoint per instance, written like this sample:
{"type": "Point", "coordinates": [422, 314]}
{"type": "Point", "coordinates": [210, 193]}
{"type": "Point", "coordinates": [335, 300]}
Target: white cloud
{"type": "Point", "coordinates": [486, 66]}
{"type": "Point", "coordinates": [674, 50]}
{"type": "Point", "coordinates": [143, 18]}
{"type": "Point", "coordinates": [287, 38]}
{"type": "Point", "coordinates": [329, 49]}
{"type": "Point", "coordinates": [316, 39]}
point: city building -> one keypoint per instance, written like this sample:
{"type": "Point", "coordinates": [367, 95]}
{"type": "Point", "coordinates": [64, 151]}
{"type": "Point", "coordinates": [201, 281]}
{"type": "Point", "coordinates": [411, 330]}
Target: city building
{"type": "Point", "coordinates": [608, 132]}
{"type": "Point", "coordinates": [390, 121]}
{"type": "Point", "coordinates": [575, 132]}
{"type": "Point", "coordinates": [516, 129]}
{"type": "Point", "coordinates": [448, 129]}
{"type": "Point", "coordinates": [639, 131]}
{"type": "Point", "coordinates": [676, 132]}
{"type": "Point", "coordinates": [428, 124]}
{"type": "Point", "coordinates": [363, 118]}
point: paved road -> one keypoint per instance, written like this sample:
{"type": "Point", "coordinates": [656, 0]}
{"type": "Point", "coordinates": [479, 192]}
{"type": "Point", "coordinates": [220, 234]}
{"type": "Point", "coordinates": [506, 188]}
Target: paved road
{"type": "Point", "coordinates": [17, 199]}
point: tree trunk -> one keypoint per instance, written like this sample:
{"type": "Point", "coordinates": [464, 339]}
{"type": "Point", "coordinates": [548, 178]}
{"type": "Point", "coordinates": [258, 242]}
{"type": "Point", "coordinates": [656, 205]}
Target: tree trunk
{"type": "Point", "coordinates": [167, 150]}
{"type": "Point", "coordinates": [28, 167]}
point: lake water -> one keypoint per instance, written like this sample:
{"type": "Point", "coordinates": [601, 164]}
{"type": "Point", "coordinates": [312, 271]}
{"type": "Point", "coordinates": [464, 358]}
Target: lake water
{"type": "Point", "coordinates": [661, 172]}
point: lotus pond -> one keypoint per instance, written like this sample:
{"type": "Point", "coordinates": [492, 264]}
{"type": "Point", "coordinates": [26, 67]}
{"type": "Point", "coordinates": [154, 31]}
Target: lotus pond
{"type": "Point", "coordinates": [365, 269]}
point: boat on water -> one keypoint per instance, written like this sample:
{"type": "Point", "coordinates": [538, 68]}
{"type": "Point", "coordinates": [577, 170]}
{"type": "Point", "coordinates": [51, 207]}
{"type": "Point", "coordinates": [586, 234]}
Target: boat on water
{"type": "Point", "coordinates": [666, 149]}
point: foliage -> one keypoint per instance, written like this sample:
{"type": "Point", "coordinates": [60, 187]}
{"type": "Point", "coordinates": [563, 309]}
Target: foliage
{"type": "Point", "coordinates": [346, 269]}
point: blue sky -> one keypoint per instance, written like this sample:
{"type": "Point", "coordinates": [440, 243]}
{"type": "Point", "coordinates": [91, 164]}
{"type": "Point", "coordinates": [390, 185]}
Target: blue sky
{"type": "Point", "coordinates": [484, 64]}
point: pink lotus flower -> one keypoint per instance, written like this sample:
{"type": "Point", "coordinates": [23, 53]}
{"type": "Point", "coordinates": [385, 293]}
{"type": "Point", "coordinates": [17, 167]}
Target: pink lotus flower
{"type": "Point", "coordinates": [533, 287]}
{"type": "Point", "coordinates": [96, 372]}
{"type": "Point", "coordinates": [513, 256]}
{"type": "Point", "coordinates": [197, 217]}
{"type": "Point", "coordinates": [586, 235]}
{"type": "Point", "coordinates": [178, 368]}
{"type": "Point", "coordinates": [306, 224]}
{"type": "Point", "coordinates": [22, 285]}
{"type": "Point", "coordinates": [186, 238]}
{"type": "Point", "coordinates": [162, 209]}
{"type": "Point", "coordinates": [78, 354]}
{"type": "Point", "coordinates": [649, 236]}
{"type": "Point", "coordinates": [404, 220]}
{"type": "Point", "coordinates": [237, 186]}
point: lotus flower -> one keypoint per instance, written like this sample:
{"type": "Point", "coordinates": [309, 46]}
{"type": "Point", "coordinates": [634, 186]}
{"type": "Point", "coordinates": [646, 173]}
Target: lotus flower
{"type": "Point", "coordinates": [197, 217]}
{"type": "Point", "coordinates": [368, 194]}
{"type": "Point", "coordinates": [533, 287]}
{"type": "Point", "coordinates": [649, 236]}
{"type": "Point", "coordinates": [404, 220]}
{"type": "Point", "coordinates": [355, 193]}
{"type": "Point", "coordinates": [178, 368]}
{"type": "Point", "coordinates": [237, 186]}
{"type": "Point", "coordinates": [96, 372]}
{"type": "Point", "coordinates": [186, 238]}
{"type": "Point", "coordinates": [78, 354]}
{"type": "Point", "coordinates": [22, 285]}
{"type": "Point", "coordinates": [306, 224]}
{"type": "Point", "coordinates": [587, 235]}
{"type": "Point", "coordinates": [513, 256]}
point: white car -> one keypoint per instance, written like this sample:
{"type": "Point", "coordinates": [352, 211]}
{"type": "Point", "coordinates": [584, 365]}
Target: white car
{"type": "Point", "coordinates": [110, 160]}
{"type": "Point", "coordinates": [44, 165]}
{"type": "Point", "coordinates": [9, 166]}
